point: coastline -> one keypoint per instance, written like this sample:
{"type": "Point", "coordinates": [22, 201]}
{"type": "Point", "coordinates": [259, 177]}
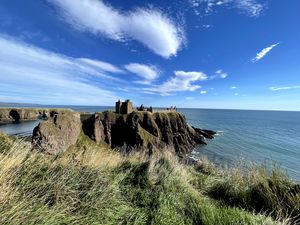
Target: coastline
{"type": "Point", "coordinates": [157, 142]}
{"type": "Point", "coordinates": [249, 135]}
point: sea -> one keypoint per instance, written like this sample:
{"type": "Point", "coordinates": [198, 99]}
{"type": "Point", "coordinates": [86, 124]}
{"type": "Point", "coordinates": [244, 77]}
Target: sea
{"type": "Point", "coordinates": [255, 137]}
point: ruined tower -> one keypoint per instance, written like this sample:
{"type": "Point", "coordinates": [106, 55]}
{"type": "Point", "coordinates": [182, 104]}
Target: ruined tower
{"type": "Point", "coordinates": [124, 107]}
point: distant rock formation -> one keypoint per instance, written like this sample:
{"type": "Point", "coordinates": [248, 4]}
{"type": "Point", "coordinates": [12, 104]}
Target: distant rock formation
{"type": "Point", "coordinates": [14, 115]}
{"type": "Point", "coordinates": [139, 130]}
{"type": "Point", "coordinates": [8, 115]}
{"type": "Point", "coordinates": [57, 133]}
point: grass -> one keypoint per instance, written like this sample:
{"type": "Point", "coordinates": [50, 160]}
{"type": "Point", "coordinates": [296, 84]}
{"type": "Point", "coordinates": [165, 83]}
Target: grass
{"type": "Point", "coordinates": [256, 189]}
{"type": "Point", "coordinates": [91, 184]}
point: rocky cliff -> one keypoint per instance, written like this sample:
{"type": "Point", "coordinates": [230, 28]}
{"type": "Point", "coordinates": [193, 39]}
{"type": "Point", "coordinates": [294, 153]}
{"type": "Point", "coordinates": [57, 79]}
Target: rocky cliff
{"type": "Point", "coordinates": [56, 134]}
{"type": "Point", "coordinates": [135, 131]}
{"type": "Point", "coordinates": [144, 130]}
{"type": "Point", "coordinates": [8, 115]}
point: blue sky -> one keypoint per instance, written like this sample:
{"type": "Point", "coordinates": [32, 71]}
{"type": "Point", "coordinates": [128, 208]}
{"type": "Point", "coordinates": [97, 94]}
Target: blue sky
{"type": "Point", "coordinates": [237, 54]}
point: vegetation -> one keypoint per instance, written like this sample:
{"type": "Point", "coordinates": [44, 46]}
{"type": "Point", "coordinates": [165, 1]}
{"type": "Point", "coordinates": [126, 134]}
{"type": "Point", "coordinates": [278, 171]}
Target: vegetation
{"type": "Point", "coordinates": [91, 184]}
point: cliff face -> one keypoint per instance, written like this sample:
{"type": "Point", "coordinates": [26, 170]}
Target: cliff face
{"type": "Point", "coordinates": [57, 133]}
{"type": "Point", "coordinates": [134, 131]}
{"type": "Point", "coordinates": [145, 130]}
{"type": "Point", "coordinates": [8, 115]}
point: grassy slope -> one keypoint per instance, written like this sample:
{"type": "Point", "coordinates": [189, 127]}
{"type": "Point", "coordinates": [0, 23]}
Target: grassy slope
{"type": "Point", "coordinates": [90, 184]}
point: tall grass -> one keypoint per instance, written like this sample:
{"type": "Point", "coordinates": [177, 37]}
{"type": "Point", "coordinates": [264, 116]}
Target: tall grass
{"type": "Point", "coordinates": [91, 184]}
{"type": "Point", "coordinates": [255, 188]}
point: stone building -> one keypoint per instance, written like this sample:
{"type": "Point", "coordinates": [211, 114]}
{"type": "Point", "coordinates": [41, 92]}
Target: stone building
{"type": "Point", "coordinates": [124, 107]}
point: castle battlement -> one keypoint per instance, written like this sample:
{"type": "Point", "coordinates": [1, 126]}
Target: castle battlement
{"type": "Point", "coordinates": [124, 107]}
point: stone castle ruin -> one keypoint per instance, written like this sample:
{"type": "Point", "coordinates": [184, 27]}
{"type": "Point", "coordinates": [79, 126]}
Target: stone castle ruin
{"type": "Point", "coordinates": [124, 107]}
{"type": "Point", "coordinates": [127, 108]}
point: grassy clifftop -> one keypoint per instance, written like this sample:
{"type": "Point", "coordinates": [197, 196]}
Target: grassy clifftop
{"type": "Point", "coordinates": [91, 184]}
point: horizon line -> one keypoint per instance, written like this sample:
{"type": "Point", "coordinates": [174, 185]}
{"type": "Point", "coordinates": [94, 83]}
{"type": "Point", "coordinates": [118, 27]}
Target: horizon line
{"type": "Point", "coordinates": [239, 109]}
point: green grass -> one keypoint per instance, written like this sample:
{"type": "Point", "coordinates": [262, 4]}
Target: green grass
{"type": "Point", "coordinates": [91, 184]}
{"type": "Point", "coordinates": [256, 189]}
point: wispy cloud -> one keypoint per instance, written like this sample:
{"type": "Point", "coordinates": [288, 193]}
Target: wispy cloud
{"type": "Point", "coordinates": [263, 53]}
{"type": "Point", "coordinates": [189, 98]}
{"type": "Point", "coordinates": [207, 26]}
{"type": "Point", "coordinates": [219, 74]}
{"type": "Point", "coordinates": [233, 87]}
{"type": "Point", "coordinates": [284, 88]}
{"type": "Point", "coordinates": [104, 66]}
{"type": "Point", "coordinates": [252, 8]}
{"type": "Point", "coordinates": [182, 81]}
{"type": "Point", "coordinates": [39, 76]}
{"type": "Point", "coordinates": [150, 27]}
{"type": "Point", "coordinates": [147, 72]}
{"type": "Point", "coordinates": [203, 92]}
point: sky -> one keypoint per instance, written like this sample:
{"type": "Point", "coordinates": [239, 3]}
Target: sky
{"type": "Point", "coordinates": [228, 54]}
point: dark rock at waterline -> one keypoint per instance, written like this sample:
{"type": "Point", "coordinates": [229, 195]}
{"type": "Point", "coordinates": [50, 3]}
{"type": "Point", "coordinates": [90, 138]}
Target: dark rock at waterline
{"type": "Point", "coordinates": [206, 133]}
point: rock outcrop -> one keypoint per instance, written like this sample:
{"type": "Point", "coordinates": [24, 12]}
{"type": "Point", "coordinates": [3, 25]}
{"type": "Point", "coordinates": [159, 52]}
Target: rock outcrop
{"type": "Point", "coordinates": [58, 133]}
{"type": "Point", "coordinates": [145, 130]}
{"type": "Point", "coordinates": [134, 131]}
{"type": "Point", "coordinates": [8, 115]}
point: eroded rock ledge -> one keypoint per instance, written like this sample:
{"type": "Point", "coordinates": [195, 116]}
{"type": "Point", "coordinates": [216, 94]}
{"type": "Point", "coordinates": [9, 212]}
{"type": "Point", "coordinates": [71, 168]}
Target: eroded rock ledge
{"type": "Point", "coordinates": [134, 131]}
{"type": "Point", "coordinates": [8, 115]}
{"type": "Point", "coordinates": [58, 133]}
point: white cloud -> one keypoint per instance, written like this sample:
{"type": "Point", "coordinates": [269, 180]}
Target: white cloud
{"type": "Point", "coordinates": [236, 94]}
{"type": "Point", "coordinates": [233, 87]}
{"type": "Point", "coordinates": [148, 26]}
{"type": "Point", "coordinates": [219, 74]}
{"type": "Point", "coordinates": [207, 26]}
{"type": "Point", "coordinates": [104, 66]}
{"type": "Point", "coordinates": [147, 72]}
{"type": "Point", "coordinates": [203, 92]}
{"type": "Point", "coordinates": [251, 8]}
{"type": "Point", "coordinates": [284, 88]}
{"type": "Point", "coordinates": [263, 53]}
{"type": "Point", "coordinates": [189, 98]}
{"type": "Point", "coordinates": [39, 76]}
{"type": "Point", "coordinates": [182, 81]}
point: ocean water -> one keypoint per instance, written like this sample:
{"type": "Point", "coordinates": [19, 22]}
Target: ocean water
{"type": "Point", "coordinates": [266, 137]}
{"type": "Point", "coordinates": [251, 136]}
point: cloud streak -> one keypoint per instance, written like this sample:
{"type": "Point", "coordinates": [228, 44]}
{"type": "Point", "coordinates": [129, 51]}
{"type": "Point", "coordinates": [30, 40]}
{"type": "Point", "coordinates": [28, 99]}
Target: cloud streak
{"type": "Point", "coordinates": [182, 81]}
{"type": "Point", "coordinates": [263, 53]}
{"type": "Point", "coordinates": [284, 88]}
{"type": "Point", "coordinates": [219, 74]}
{"type": "Point", "coordinates": [148, 26]}
{"type": "Point", "coordinates": [148, 72]}
{"type": "Point", "coordinates": [251, 8]}
{"type": "Point", "coordinates": [34, 75]}
{"type": "Point", "coordinates": [100, 65]}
